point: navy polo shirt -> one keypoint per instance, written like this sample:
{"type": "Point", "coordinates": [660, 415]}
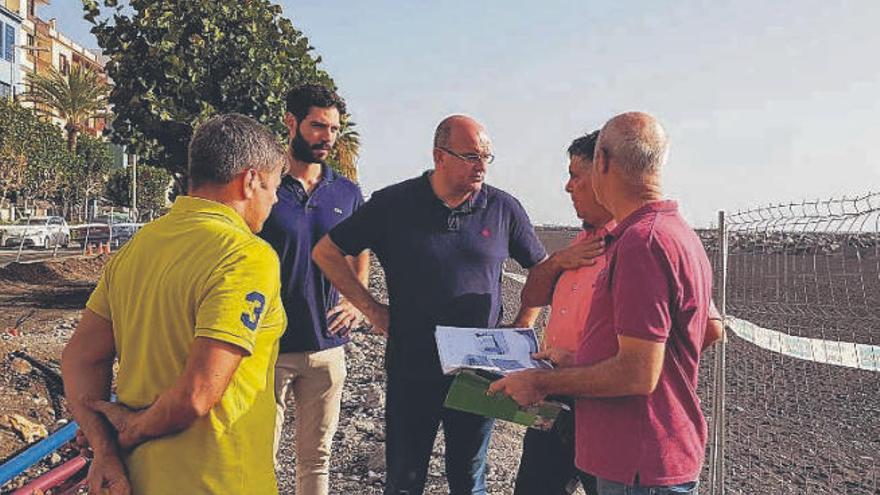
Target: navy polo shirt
{"type": "Point", "coordinates": [297, 222]}
{"type": "Point", "coordinates": [442, 265]}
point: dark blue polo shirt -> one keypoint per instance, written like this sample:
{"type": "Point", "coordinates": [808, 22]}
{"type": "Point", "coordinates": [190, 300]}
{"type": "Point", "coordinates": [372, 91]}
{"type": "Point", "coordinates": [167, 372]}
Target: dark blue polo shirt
{"type": "Point", "coordinates": [297, 222]}
{"type": "Point", "coordinates": [442, 265]}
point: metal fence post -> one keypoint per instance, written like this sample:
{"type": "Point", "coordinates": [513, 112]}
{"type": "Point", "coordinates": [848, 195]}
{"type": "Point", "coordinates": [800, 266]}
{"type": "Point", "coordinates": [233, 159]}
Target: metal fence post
{"type": "Point", "coordinates": [110, 229]}
{"type": "Point", "coordinates": [717, 435]}
{"type": "Point", "coordinates": [21, 239]}
{"type": "Point", "coordinates": [86, 240]}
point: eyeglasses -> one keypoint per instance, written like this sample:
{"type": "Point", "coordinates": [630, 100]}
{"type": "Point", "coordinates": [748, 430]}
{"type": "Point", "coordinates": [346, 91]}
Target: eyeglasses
{"type": "Point", "coordinates": [472, 158]}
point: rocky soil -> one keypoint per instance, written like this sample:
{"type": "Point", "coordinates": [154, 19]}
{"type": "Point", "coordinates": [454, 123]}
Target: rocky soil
{"type": "Point", "coordinates": [793, 426]}
{"type": "Point", "coordinates": [358, 462]}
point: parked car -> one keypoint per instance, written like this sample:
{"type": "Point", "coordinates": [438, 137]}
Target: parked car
{"type": "Point", "coordinates": [45, 232]}
{"type": "Point", "coordinates": [116, 229]}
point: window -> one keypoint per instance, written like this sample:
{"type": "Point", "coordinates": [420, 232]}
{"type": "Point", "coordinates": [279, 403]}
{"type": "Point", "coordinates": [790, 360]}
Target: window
{"type": "Point", "coordinates": [5, 90]}
{"type": "Point", "coordinates": [63, 64]}
{"type": "Point", "coordinates": [9, 49]}
{"type": "Point", "coordinates": [30, 40]}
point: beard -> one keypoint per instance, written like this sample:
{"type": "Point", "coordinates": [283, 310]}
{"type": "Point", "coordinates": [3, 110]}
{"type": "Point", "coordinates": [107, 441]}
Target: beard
{"type": "Point", "coordinates": [302, 151]}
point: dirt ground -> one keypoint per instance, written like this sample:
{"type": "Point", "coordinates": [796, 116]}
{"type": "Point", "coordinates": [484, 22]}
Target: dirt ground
{"type": "Point", "coordinates": [39, 307]}
{"type": "Point", "coordinates": [793, 426]}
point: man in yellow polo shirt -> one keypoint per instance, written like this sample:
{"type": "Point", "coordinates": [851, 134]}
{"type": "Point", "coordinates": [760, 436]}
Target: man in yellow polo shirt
{"type": "Point", "coordinates": [191, 308]}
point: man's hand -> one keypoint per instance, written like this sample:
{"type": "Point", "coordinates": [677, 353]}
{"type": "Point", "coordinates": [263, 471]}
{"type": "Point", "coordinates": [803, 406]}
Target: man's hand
{"type": "Point", "coordinates": [380, 318]}
{"type": "Point", "coordinates": [343, 317]}
{"type": "Point", "coordinates": [579, 254]}
{"type": "Point", "coordinates": [107, 476]}
{"type": "Point", "coordinates": [523, 387]}
{"type": "Point", "coordinates": [123, 420]}
{"type": "Point", "coordinates": [82, 443]}
{"type": "Point", "coordinates": [560, 358]}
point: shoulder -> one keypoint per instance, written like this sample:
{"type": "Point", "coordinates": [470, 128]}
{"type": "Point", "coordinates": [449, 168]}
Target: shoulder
{"type": "Point", "coordinates": [637, 236]}
{"type": "Point", "coordinates": [238, 250]}
{"type": "Point", "coordinates": [655, 237]}
{"type": "Point", "coordinates": [505, 203]}
{"type": "Point", "coordinates": [345, 186]}
{"type": "Point", "coordinates": [400, 191]}
{"type": "Point", "coordinates": [259, 252]}
{"type": "Point", "coordinates": [501, 198]}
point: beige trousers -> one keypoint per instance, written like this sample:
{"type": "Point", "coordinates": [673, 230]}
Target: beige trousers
{"type": "Point", "coordinates": [316, 380]}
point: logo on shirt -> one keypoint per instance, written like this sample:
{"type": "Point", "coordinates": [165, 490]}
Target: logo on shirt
{"type": "Point", "coordinates": [256, 302]}
{"type": "Point", "coordinates": [486, 232]}
{"type": "Point", "coordinates": [338, 210]}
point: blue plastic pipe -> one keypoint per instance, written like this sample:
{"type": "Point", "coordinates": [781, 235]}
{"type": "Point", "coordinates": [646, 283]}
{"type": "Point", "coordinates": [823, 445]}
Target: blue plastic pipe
{"type": "Point", "coordinates": [32, 455]}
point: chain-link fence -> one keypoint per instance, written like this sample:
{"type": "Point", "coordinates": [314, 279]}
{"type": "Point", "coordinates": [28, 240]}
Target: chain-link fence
{"type": "Point", "coordinates": [797, 380]}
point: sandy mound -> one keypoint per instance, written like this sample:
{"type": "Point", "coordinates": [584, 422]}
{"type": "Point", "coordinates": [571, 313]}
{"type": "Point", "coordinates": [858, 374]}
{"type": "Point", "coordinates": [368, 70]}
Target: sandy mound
{"type": "Point", "coordinates": [50, 272]}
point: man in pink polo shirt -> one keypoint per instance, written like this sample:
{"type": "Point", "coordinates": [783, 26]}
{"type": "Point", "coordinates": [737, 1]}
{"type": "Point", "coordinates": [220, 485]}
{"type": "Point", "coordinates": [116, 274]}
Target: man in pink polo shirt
{"type": "Point", "coordinates": [639, 425]}
{"type": "Point", "coordinates": [566, 283]}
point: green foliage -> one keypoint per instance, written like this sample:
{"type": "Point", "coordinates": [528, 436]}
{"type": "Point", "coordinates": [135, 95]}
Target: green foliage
{"type": "Point", "coordinates": [174, 64]}
{"type": "Point", "coordinates": [32, 150]}
{"type": "Point", "coordinates": [346, 151]}
{"type": "Point", "coordinates": [76, 97]}
{"type": "Point", "coordinates": [85, 176]}
{"type": "Point", "coordinates": [152, 187]}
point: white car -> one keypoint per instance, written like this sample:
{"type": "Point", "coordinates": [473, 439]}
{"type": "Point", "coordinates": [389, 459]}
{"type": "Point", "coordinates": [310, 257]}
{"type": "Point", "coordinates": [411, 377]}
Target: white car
{"type": "Point", "coordinates": [45, 232]}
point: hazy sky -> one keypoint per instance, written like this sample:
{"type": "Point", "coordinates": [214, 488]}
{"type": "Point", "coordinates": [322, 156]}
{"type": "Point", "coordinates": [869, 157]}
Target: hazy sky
{"type": "Point", "coordinates": [765, 102]}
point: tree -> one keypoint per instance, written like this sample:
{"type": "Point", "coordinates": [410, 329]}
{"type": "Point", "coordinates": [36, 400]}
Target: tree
{"type": "Point", "coordinates": [152, 187]}
{"type": "Point", "coordinates": [174, 64]}
{"type": "Point", "coordinates": [84, 177]}
{"type": "Point", "coordinates": [32, 151]}
{"type": "Point", "coordinates": [346, 151]}
{"type": "Point", "coordinates": [75, 97]}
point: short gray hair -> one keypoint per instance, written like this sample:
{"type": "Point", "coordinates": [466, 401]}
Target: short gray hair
{"type": "Point", "coordinates": [637, 142]}
{"type": "Point", "coordinates": [227, 145]}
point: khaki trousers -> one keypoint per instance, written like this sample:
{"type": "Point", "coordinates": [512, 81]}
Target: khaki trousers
{"type": "Point", "coordinates": [316, 380]}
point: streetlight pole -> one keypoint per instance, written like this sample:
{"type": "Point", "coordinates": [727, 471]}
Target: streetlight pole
{"type": "Point", "coordinates": [134, 161]}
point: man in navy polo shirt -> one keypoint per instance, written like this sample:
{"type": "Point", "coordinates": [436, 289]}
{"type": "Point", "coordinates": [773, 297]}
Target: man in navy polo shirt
{"type": "Point", "coordinates": [311, 200]}
{"type": "Point", "coordinates": [441, 238]}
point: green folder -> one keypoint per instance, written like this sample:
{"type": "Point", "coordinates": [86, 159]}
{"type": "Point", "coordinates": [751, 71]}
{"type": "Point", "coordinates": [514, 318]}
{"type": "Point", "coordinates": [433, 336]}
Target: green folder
{"type": "Point", "coordinates": [468, 393]}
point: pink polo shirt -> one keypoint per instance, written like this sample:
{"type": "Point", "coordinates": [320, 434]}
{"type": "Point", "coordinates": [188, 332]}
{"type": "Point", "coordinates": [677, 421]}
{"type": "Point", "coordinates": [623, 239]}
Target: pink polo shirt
{"type": "Point", "coordinates": [571, 298]}
{"type": "Point", "coordinates": [656, 286]}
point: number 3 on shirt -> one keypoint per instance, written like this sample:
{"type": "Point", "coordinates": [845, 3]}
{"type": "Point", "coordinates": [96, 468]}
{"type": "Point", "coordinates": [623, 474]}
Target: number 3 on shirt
{"type": "Point", "coordinates": [257, 302]}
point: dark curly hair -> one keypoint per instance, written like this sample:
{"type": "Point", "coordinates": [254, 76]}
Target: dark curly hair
{"type": "Point", "coordinates": [303, 97]}
{"type": "Point", "coordinates": [584, 146]}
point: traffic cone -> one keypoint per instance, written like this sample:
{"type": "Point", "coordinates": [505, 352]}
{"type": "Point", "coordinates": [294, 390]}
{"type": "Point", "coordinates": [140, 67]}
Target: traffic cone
{"type": "Point", "coordinates": [106, 249]}
{"type": "Point", "coordinates": [90, 249]}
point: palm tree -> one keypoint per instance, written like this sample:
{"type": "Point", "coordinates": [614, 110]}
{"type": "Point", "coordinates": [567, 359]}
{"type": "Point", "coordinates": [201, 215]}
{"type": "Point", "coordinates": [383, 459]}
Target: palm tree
{"type": "Point", "coordinates": [347, 150]}
{"type": "Point", "coordinates": [76, 97]}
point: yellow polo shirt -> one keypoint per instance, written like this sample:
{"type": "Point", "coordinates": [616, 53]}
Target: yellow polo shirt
{"type": "Point", "coordinates": [197, 272]}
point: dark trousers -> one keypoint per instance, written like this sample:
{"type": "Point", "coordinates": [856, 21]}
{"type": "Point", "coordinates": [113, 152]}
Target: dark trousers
{"type": "Point", "coordinates": [413, 412]}
{"type": "Point", "coordinates": [547, 463]}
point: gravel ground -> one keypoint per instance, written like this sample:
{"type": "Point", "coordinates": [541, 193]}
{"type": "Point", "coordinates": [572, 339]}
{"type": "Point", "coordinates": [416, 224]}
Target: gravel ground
{"type": "Point", "coordinates": [358, 461]}
{"type": "Point", "coordinates": [793, 426]}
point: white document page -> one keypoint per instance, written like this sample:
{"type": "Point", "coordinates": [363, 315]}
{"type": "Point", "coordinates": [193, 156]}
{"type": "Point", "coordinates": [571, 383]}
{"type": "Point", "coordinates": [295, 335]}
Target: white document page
{"type": "Point", "coordinates": [502, 350]}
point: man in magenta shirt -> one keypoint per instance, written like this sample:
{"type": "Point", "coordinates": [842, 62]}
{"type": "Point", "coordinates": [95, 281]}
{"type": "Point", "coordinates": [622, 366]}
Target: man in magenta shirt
{"type": "Point", "coordinates": [639, 425]}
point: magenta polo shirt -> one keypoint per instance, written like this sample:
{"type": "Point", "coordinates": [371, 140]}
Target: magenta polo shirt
{"type": "Point", "coordinates": [657, 286]}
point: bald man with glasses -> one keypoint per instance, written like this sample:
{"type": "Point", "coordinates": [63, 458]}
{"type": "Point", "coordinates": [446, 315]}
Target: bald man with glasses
{"type": "Point", "coordinates": [442, 239]}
